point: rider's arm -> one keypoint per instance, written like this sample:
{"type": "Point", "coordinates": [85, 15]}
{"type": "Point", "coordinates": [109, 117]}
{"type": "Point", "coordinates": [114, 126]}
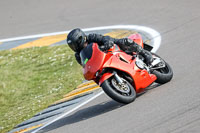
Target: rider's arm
{"type": "Point", "coordinates": [78, 58]}
{"type": "Point", "coordinates": [125, 44]}
{"type": "Point", "coordinates": [98, 38]}
{"type": "Point", "coordinates": [128, 45]}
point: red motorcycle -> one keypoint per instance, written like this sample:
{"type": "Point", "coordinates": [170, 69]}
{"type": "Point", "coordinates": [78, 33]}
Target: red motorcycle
{"type": "Point", "coordinates": [123, 76]}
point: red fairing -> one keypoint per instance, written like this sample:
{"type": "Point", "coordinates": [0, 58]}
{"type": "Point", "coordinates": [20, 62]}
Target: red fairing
{"type": "Point", "coordinates": [115, 59]}
{"type": "Point", "coordinates": [105, 77]}
{"type": "Point", "coordinates": [94, 64]}
{"type": "Point", "coordinates": [141, 77]}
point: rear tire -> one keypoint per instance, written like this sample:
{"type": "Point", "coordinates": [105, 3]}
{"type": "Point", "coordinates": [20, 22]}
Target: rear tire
{"type": "Point", "coordinates": [118, 96]}
{"type": "Point", "coordinates": [163, 75]}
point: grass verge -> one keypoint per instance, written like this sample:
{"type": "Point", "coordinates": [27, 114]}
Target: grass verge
{"type": "Point", "coordinates": [32, 79]}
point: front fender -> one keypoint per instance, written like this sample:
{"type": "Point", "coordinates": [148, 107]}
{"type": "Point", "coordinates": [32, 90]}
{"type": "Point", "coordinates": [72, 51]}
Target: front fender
{"type": "Point", "coordinates": [104, 77]}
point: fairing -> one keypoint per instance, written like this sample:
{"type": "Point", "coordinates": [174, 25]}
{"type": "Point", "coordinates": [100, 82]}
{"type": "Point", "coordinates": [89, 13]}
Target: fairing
{"type": "Point", "coordinates": [94, 63]}
{"type": "Point", "coordinates": [117, 59]}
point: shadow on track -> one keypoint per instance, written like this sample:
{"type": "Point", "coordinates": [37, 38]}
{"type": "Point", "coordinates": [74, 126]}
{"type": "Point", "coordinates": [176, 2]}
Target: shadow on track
{"type": "Point", "coordinates": [91, 112]}
{"type": "Point", "coordinates": [84, 114]}
{"type": "Point", "coordinates": [154, 85]}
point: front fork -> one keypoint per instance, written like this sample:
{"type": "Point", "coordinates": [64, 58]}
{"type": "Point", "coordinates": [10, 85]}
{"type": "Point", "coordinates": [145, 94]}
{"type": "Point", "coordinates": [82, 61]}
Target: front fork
{"type": "Point", "coordinates": [119, 80]}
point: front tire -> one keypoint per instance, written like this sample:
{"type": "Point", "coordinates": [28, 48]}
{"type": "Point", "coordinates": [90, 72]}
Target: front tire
{"type": "Point", "coordinates": [120, 96]}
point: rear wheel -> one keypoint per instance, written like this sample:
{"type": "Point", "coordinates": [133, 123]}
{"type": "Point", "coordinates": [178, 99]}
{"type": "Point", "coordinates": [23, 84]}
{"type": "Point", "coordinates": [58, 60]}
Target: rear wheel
{"type": "Point", "coordinates": [123, 93]}
{"type": "Point", "coordinates": [164, 74]}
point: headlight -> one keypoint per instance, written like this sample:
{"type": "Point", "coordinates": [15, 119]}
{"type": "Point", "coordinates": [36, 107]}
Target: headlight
{"type": "Point", "coordinates": [139, 64]}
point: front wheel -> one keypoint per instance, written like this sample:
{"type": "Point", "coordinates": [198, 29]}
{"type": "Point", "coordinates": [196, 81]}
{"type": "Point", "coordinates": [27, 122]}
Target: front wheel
{"type": "Point", "coordinates": [123, 93]}
{"type": "Point", "coordinates": [164, 74]}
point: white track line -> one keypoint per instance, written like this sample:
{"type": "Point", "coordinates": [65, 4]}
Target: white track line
{"type": "Point", "coordinates": [154, 35]}
{"type": "Point", "coordinates": [70, 111]}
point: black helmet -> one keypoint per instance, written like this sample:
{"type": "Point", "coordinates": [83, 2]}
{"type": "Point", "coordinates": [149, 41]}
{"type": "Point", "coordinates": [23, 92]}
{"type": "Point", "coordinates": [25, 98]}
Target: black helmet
{"type": "Point", "coordinates": [76, 39]}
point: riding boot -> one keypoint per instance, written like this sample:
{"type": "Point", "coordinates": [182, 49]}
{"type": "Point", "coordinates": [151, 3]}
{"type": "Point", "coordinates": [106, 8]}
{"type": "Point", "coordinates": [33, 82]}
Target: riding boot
{"type": "Point", "coordinates": [148, 59]}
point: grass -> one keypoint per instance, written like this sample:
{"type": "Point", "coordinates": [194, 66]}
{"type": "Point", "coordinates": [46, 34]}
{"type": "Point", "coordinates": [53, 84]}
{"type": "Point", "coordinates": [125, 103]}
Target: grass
{"type": "Point", "coordinates": [32, 79]}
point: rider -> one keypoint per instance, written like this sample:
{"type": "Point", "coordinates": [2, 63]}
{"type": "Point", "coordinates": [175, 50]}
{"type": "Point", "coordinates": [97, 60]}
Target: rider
{"type": "Point", "coordinates": [77, 40]}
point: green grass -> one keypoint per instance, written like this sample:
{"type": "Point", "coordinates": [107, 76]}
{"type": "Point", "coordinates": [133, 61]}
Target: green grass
{"type": "Point", "coordinates": [32, 79]}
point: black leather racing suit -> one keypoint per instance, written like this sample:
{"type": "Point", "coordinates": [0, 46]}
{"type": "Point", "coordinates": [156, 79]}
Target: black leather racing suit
{"type": "Point", "coordinates": [125, 44]}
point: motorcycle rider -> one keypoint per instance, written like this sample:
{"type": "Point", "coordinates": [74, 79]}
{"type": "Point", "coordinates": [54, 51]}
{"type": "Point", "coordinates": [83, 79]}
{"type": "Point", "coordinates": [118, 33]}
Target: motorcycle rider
{"type": "Point", "coordinates": [77, 40]}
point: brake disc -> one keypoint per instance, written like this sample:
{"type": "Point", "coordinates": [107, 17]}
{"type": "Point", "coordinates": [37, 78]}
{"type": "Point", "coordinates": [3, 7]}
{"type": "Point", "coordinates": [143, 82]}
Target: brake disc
{"type": "Point", "coordinates": [122, 87]}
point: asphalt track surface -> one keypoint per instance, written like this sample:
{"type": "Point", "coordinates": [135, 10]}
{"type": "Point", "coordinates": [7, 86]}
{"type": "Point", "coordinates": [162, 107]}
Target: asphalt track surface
{"type": "Point", "coordinates": [173, 107]}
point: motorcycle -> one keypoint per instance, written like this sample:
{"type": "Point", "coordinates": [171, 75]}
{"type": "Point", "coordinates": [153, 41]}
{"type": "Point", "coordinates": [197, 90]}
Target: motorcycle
{"type": "Point", "coordinates": [123, 76]}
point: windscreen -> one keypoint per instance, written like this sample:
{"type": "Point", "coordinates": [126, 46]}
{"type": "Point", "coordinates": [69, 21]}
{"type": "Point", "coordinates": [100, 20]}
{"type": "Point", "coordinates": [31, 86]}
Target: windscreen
{"type": "Point", "coordinates": [86, 54]}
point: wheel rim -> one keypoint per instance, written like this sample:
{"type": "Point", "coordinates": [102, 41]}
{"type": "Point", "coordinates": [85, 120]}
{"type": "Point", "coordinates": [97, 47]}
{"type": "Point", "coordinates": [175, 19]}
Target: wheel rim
{"type": "Point", "coordinates": [123, 88]}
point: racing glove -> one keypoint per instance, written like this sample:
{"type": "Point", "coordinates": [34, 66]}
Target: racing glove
{"type": "Point", "coordinates": [108, 44]}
